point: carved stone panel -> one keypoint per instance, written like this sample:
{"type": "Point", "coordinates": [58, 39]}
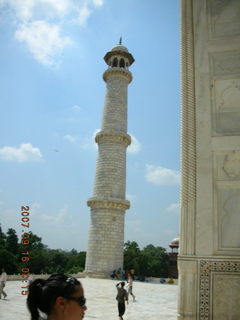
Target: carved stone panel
{"type": "Point", "coordinates": [226, 302]}
{"type": "Point", "coordinates": [228, 208]}
{"type": "Point", "coordinates": [224, 19]}
{"type": "Point", "coordinates": [213, 276]}
{"type": "Point", "coordinates": [225, 64]}
{"type": "Point", "coordinates": [227, 95]}
{"type": "Point", "coordinates": [226, 106]}
{"type": "Point", "coordinates": [228, 166]}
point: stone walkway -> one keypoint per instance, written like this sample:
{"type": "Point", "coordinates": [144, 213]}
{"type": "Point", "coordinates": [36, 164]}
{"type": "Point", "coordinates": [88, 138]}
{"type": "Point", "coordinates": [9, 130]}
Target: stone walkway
{"type": "Point", "coordinates": [153, 301]}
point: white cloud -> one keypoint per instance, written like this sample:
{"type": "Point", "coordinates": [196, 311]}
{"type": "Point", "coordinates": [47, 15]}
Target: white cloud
{"type": "Point", "coordinates": [131, 197]}
{"type": "Point", "coordinates": [38, 24]}
{"type": "Point", "coordinates": [22, 9]}
{"type": "Point", "coordinates": [89, 143]}
{"type": "Point", "coordinates": [34, 208]}
{"type": "Point", "coordinates": [83, 14]}
{"type": "Point", "coordinates": [70, 138]}
{"type": "Point", "coordinates": [43, 40]}
{"type": "Point", "coordinates": [135, 145]}
{"type": "Point", "coordinates": [174, 207]}
{"type": "Point", "coordinates": [59, 218]}
{"type": "Point", "coordinates": [26, 152]}
{"type": "Point", "coordinates": [76, 107]}
{"type": "Point", "coordinates": [160, 175]}
{"type": "Point", "coordinates": [94, 134]}
{"type": "Point", "coordinates": [61, 6]}
{"type": "Point", "coordinates": [97, 3]}
{"type": "Point", "coordinates": [65, 221]}
{"type": "Point", "coordinates": [84, 10]}
{"type": "Point", "coordinates": [26, 10]}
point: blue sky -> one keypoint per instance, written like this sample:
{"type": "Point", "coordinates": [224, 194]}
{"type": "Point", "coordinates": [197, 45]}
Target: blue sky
{"type": "Point", "coordinates": [52, 96]}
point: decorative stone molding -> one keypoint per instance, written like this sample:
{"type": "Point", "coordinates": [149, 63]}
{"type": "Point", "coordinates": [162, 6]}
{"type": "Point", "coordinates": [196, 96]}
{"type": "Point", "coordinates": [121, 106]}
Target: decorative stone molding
{"type": "Point", "coordinates": [188, 109]}
{"type": "Point", "coordinates": [116, 71]}
{"type": "Point", "coordinates": [207, 269]}
{"type": "Point", "coordinates": [188, 132]}
{"type": "Point", "coordinates": [108, 204]}
{"type": "Point", "coordinates": [122, 138]}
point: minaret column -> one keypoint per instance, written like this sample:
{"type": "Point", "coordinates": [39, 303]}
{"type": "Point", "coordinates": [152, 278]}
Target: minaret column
{"type": "Point", "coordinates": [108, 204]}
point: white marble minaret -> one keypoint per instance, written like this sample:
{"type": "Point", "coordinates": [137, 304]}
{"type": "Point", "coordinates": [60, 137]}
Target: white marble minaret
{"type": "Point", "coordinates": [108, 204]}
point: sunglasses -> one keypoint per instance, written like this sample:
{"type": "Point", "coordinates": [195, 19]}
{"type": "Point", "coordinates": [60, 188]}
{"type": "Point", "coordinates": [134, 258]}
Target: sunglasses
{"type": "Point", "coordinates": [81, 301]}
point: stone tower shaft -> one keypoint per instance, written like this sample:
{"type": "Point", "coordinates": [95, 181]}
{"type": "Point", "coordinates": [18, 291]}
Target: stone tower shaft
{"type": "Point", "coordinates": [108, 204]}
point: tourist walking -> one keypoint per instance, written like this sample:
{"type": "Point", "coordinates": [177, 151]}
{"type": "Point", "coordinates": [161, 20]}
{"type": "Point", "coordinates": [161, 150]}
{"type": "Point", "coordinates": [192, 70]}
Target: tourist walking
{"type": "Point", "coordinates": [29, 279]}
{"type": "Point", "coordinates": [3, 280]}
{"type": "Point", "coordinates": [130, 286]}
{"type": "Point", "coordinates": [59, 297]}
{"type": "Point", "coordinates": [121, 297]}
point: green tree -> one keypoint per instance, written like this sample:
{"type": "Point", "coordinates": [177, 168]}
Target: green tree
{"type": "Point", "coordinates": [131, 256]}
{"type": "Point", "coordinates": [73, 252]}
{"type": "Point", "coordinates": [151, 261]}
{"type": "Point", "coordinates": [76, 263]}
{"type": "Point", "coordinates": [75, 270]}
{"type": "Point", "coordinates": [8, 261]}
{"type": "Point", "coordinates": [12, 241]}
{"type": "Point", "coordinates": [32, 254]}
{"type": "Point", "coordinates": [37, 253]}
{"type": "Point", "coordinates": [39, 261]}
{"type": "Point", "coordinates": [58, 260]}
{"type": "Point", "coordinates": [155, 261]}
{"type": "Point", "coordinates": [35, 242]}
{"type": "Point", "coordinates": [2, 238]}
{"type": "Point", "coordinates": [30, 242]}
{"type": "Point", "coordinates": [144, 264]}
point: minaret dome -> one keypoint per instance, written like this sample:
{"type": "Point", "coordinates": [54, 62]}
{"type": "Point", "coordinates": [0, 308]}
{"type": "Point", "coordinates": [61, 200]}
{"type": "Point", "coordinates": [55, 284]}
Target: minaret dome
{"type": "Point", "coordinates": [118, 57]}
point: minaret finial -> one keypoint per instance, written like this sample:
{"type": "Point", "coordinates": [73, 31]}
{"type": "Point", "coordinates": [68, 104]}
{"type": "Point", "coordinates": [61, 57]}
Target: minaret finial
{"type": "Point", "coordinates": [120, 41]}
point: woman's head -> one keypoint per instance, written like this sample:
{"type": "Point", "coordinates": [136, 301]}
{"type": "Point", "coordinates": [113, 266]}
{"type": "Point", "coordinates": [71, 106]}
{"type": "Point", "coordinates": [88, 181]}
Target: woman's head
{"type": "Point", "coordinates": [60, 296]}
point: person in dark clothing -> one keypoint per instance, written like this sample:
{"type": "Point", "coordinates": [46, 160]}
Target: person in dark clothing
{"type": "Point", "coordinates": [121, 297]}
{"type": "Point", "coordinates": [114, 275]}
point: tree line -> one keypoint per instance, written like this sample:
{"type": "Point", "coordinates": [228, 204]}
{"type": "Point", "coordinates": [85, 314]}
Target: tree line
{"type": "Point", "coordinates": [150, 261]}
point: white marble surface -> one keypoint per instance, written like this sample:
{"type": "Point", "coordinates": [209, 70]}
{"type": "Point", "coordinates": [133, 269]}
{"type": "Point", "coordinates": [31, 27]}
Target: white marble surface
{"type": "Point", "coordinates": [210, 159]}
{"type": "Point", "coordinates": [226, 308]}
{"type": "Point", "coordinates": [153, 301]}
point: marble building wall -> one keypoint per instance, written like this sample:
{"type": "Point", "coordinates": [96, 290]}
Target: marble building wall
{"type": "Point", "coordinates": [209, 260]}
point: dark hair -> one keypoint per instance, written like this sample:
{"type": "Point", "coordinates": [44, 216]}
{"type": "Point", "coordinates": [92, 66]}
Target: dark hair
{"type": "Point", "coordinates": [122, 284]}
{"type": "Point", "coordinates": [43, 293]}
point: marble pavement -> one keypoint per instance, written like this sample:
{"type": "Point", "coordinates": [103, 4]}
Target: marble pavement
{"type": "Point", "coordinates": [153, 301]}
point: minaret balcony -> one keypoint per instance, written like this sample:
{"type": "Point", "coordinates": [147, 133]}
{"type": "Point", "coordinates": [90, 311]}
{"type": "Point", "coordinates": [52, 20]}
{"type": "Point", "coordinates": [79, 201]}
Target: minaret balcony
{"type": "Point", "coordinates": [115, 137]}
{"type": "Point", "coordinates": [109, 203]}
{"type": "Point", "coordinates": [119, 72]}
